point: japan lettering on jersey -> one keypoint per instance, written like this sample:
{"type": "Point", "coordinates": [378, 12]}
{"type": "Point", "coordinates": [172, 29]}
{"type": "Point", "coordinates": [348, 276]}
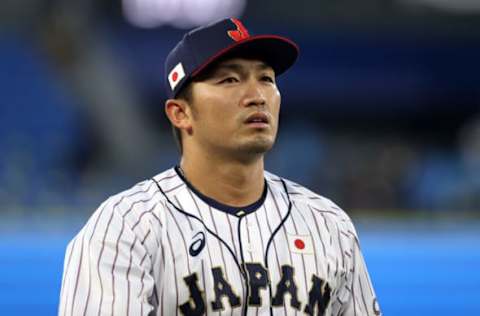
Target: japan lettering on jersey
{"type": "Point", "coordinates": [161, 248]}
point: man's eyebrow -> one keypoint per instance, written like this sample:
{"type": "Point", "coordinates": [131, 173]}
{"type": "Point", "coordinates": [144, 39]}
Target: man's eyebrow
{"type": "Point", "coordinates": [239, 67]}
{"type": "Point", "coordinates": [264, 66]}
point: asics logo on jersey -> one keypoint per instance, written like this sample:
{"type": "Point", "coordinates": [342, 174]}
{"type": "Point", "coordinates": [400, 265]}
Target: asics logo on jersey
{"type": "Point", "coordinates": [198, 244]}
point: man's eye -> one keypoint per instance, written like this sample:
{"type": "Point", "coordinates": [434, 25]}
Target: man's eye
{"type": "Point", "coordinates": [229, 80]}
{"type": "Point", "coordinates": [268, 79]}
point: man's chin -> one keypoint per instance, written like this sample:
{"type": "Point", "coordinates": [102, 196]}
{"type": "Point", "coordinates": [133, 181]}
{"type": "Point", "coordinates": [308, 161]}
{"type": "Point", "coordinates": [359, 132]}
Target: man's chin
{"type": "Point", "coordinates": [258, 146]}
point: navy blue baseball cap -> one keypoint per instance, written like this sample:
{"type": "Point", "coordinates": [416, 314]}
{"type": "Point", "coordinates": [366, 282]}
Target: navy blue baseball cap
{"type": "Point", "coordinates": [204, 45]}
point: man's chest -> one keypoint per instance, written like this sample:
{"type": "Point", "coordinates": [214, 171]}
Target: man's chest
{"type": "Point", "coordinates": [218, 262]}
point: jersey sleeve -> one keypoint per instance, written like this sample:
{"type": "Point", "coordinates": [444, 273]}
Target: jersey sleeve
{"type": "Point", "coordinates": [107, 268]}
{"type": "Point", "coordinates": [358, 295]}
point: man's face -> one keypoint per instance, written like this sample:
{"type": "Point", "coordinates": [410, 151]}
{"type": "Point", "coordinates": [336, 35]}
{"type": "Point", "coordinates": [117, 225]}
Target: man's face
{"type": "Point", "coordinates": [236, 108]}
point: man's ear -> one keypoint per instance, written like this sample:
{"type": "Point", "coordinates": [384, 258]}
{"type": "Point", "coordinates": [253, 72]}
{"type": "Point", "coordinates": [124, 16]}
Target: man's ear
{"type": "Point", "coordinates": [179, 113]}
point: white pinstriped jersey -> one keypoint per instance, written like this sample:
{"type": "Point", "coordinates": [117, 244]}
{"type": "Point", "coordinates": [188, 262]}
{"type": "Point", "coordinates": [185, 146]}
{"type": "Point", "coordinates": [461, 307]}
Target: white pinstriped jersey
{"type": "Point", "coordinates": [161, 248]}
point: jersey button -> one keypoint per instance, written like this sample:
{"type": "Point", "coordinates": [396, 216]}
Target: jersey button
{"type": "Point", "coordinates": [249, 247]}
{"type": "Point", "coordinates": [240, 213]}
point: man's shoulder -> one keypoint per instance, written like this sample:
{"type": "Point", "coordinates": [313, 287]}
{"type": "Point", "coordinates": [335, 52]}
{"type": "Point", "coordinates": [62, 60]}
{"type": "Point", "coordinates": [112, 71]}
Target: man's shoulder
{"type": "Point", "coordinates": [142, 195]}
{"type": "Point", "coordinates": [133, 213]}
{"type": "Point", "coordinates": [300, 194]}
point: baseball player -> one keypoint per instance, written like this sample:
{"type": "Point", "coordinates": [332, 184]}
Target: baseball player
{"type": "Point", "coordinates": [217, 234]}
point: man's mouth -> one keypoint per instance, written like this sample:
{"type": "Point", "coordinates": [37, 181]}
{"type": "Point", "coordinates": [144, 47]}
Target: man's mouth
{"type": "Point", "coordinates": [258, 120]}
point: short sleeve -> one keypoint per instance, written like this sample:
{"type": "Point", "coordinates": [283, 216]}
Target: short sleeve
{"type": "Point", "coordinates": [357, 295]}
{"type": "Point", "coordinates": [107, 268]}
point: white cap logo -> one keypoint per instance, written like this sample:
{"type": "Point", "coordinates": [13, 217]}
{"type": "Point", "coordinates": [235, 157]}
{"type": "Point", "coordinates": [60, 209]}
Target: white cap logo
{"type": "Point", "coordinates": [176, 75]}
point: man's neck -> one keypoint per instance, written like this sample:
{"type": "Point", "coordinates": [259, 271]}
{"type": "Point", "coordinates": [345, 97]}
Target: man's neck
{"type": "Point", "coordinates": [232, 183]}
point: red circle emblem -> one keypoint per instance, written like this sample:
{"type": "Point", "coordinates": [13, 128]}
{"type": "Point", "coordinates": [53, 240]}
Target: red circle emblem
{"type": "Point", "coordinates": [175, 76]}
{"type": "Point", "coordinates": [299, 244]}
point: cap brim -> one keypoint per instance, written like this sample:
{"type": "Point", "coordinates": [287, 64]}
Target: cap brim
{"type": "Point", "coordinates": [278, 52]}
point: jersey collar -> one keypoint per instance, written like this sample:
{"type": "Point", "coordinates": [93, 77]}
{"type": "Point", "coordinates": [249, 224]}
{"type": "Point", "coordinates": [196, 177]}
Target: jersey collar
{"type": "Point", "coordinates": [233, 210]}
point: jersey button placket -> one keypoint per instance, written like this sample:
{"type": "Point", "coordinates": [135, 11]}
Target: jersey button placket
{"type": "Point", "coordinates": [243, 263]}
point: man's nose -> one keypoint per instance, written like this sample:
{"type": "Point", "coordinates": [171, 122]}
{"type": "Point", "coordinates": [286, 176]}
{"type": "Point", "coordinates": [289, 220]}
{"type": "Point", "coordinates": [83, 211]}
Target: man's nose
{"type": "Point", "coordinates": [254, 95]}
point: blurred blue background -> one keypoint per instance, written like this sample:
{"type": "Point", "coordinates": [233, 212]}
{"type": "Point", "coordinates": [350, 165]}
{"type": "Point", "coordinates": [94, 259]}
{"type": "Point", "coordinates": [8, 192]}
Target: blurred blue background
{"type": "Point", "coordinates": [380, 114]}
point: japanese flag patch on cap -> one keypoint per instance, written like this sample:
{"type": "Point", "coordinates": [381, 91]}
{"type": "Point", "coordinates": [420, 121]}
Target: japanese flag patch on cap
{"type": "Point", "coordinates": [176, 75]}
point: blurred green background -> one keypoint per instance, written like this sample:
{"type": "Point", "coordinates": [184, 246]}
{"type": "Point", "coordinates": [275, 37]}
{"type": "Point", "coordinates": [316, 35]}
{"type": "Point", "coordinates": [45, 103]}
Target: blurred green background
{"type": "Point", "coordinates": [380, 114]}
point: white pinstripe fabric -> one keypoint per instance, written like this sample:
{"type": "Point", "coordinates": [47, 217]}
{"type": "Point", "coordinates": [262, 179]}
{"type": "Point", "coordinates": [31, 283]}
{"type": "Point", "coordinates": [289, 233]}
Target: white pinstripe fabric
{"type": "Point", "coordinates": [132, 256]}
